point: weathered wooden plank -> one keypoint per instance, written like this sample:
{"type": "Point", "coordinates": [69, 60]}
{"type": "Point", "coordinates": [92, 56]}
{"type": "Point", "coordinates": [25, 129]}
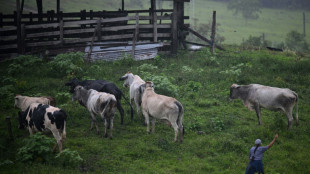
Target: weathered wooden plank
{"type": "Point", "coordinates": [117, 28]}
{"type": "Point", "coordinates": [47, 43]}
{"type": "Point", "coordinates": [71, 41]}
{"type": "Point", "coordinates": [175, 28]}
{"type": "Point", "coordinates": [87, 30]}
{"type": "Point", "coordinates": [6, 38]}
{"type": "Point", "coordinates": [78, 23]}
{"type": "Point", "coordinates": [154, 27]}
{"type": "Point", "coordinates": [61, 28]}
{"type": "Point", "coordinates": [51, 33]}
{"type": "Point", "coordinates": [213, 32]}
{"type": "Point", "coordinates": [54, 25]}
{"type": "Point", "coordinates": [158, 26]}
{"type": "Point", "coordinates": [158, 35]}
{"type": "Point", "coordinates": [127, 18]}
{"type": "Point", "coordinates": [8, 46]}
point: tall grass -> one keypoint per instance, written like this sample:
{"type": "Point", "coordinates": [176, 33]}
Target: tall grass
{"type": "Point", "coordinates": [218, 135]}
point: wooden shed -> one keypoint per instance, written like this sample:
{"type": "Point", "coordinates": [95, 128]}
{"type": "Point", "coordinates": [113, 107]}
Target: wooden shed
{"type": "Point", "coordinates": [55, 30]}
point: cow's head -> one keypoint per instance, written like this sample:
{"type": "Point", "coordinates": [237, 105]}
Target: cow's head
{"type": "Point", "coordinates": [77, 93]}
{"type": "Point", "coordinates": [18, 99]}
{"type": "Point", "coordinates": [234, 91]}
{"type": "Point", "coordinates": [128, 77]}
{"type": "Point", "coordinates": [149, 84]}
{"type": "Point", "coordinates": [73, 83]}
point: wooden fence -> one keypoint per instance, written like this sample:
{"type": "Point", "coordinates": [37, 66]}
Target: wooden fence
{"type": "Point", "coordinates": [57, 30]}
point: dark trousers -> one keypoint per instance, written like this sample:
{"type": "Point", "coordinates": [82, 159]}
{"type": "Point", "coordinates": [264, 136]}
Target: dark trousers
{"type": "Point", "coordinates": [255, 166]}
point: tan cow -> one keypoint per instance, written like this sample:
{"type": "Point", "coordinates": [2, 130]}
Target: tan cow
{"type": "Point", "coordinates": [163, 108]}
{"type": "Point", "coordinates": [23, 102]}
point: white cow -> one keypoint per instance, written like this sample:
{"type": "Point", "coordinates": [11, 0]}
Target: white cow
{"type": "Point", "coordinates": [97, 103]}
{"type": "Point", "coordinates": [164, 108]}
{"type": "Point", "coordinates": [40, 117]}
{"type": "Point", "coordinates": [136, 88]}
{"type": "Point", "coordinates": [255, 96]}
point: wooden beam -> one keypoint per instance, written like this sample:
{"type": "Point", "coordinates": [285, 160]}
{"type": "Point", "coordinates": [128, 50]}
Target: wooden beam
{"type": "Point", "coordinates": [175, 28]}
{"type": "Point", "coordinates": [22, 7]}
{"type": "Point", "coordinates": [40, 10]}
{"type": "Point", "coordinates": [123, 5]}
{"type": "Point", "coordinates": [213, 32]}
{"type": "Point", "coordinates": [18, 20]}
{"type": "Point", "coordinates": [200, 36]}
{"type": "Point", "coordinates": [58, 7]}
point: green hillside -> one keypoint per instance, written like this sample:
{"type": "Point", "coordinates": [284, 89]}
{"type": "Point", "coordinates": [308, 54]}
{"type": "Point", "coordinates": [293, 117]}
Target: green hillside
{"type": "Point", "coordinates": [218, 134]}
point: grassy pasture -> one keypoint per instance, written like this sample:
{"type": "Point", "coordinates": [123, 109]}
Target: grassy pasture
{"type": "Point", "coordinates": [218, 135]}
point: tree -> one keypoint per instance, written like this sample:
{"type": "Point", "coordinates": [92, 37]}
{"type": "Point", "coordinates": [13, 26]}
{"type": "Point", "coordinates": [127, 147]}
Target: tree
{"type": "Point", "coordinates": [249, 9]}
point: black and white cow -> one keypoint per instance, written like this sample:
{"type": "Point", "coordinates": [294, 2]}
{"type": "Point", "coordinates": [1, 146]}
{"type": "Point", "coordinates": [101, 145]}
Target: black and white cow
{"type": "Point", "coordinates": [255, 96]}
{"type": "Point", "coordinates": [40, 117]}
{"type": "Point", "coordinates": [102, 86]}
{"type": "Point", "coordinates": [97, 103]}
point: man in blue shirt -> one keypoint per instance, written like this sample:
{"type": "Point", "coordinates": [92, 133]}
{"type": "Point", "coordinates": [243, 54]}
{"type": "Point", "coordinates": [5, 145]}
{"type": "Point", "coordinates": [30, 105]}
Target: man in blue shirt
{"type": "Point", "coordinates": [256, 156]}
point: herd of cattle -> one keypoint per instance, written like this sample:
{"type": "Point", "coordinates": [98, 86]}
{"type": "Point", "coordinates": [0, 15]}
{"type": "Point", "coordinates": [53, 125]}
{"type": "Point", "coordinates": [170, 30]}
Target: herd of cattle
{"type": "Point", "coordinates": [102, 98]}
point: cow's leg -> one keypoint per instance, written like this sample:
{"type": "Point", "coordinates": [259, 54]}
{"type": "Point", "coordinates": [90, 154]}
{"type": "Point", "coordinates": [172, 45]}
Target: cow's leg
{"type": "Point", "coordinates": [289, 116]}
{"type": "Point", "coordinates": [105, 127]}
{"type": "Point", "coordinates": [153, 124]}
{"type": "Point", "coordinates": [147, 121]}
{"type": "Point", "coordinates": [30, 130]}
{"type": "Point", "coordinates": [111, 127]}
{"type": "Point", "coordinates": [181, 132]}
{"type": "Point", "coordinates": [121, 111]}
{"type": "Point", "coordinates": [58, 138]}
{"type": "Point", "coordinates": [257, 109]}
{"type": "Point", "coordinates": [94, 121]}
{"type": "Point", "coordinates": [176, 128]}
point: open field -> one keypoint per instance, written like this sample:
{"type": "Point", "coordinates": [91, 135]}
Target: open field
{"type": "Point", "coordinates": [218, 135]}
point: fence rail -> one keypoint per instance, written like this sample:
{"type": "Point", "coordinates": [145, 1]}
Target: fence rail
{"type": "Point", "coordinates": [42, 31]}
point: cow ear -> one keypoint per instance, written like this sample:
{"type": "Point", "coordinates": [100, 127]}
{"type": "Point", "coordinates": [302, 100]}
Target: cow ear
{"type": "Point", "coordinates": [123, 77]}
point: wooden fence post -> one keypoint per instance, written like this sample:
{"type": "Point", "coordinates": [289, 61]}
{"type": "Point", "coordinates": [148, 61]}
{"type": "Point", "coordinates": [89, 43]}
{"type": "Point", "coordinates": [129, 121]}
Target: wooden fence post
{"type": "Point", "coordinates": [8, 122]}
{"type": "Point", "coordinates": [154, 27]}
{"type": "Point", "coordinates": [23, 38]}
{"type": "Point", "coordinates": [98, 28]}
{"type": "Point", "coordinates": [174, 28]}
{"type": "Point", "coordinates": [18, 21]}
{"type": "Point", "coordinates": [135, 36]}
{"type": "Point", "coordinates": [61, 32]}
{"type": "Point", "coordinates": [1, 20]}
{"type": "Point", "coordinates": [213, 32]}
{"type": "Point", "coordinates": [83, 17]}
{"type": "Point", "coordinates": [304, 22]}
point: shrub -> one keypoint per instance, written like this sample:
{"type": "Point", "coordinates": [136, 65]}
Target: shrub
{"type": "Point", "coordinates": [69, 65]}
{"type": "Point", "coordinates": [296, 41]}
{"type": "Point", "coordinates": [69, 158]}
{"type": "Point", "coordinates": [37, 148]}
{"type": "Point", "coordinates": [255, 42]}
{"type": "Point", "coordinates": [22, 63]}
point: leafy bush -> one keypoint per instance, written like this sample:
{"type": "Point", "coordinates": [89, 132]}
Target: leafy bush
{"type": "Point", "coordinates": [162, 84]}
{"type": "Point", "coordinates": [255, 42]}
{"type": "Point", "coordinates": [69, 158]}
{"type": "Point", "coordinates": [22, 63]}
{"type": "Point", "coordinates": [69, 65]}
{"type": "Point", "coordinates": [37, 148]}
{"type": "Point", "coordinates": [296, 41]}
{"type": "Point", "coordinates": [63, 97]}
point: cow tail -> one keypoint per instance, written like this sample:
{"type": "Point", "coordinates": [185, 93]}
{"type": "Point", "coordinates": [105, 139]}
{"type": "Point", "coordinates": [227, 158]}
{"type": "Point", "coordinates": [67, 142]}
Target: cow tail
{"type": "Point", "coordinates": [180, 115]}
{"type": "Point", "coordinates": [296, 95]}
{"type": "Point", "coordinates": [127, 101]}
{"type": "Point", "coordinates": [112, 103]}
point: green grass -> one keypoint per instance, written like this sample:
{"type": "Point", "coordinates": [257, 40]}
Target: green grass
{"type": "Point", "coordinates": [218, 135]}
